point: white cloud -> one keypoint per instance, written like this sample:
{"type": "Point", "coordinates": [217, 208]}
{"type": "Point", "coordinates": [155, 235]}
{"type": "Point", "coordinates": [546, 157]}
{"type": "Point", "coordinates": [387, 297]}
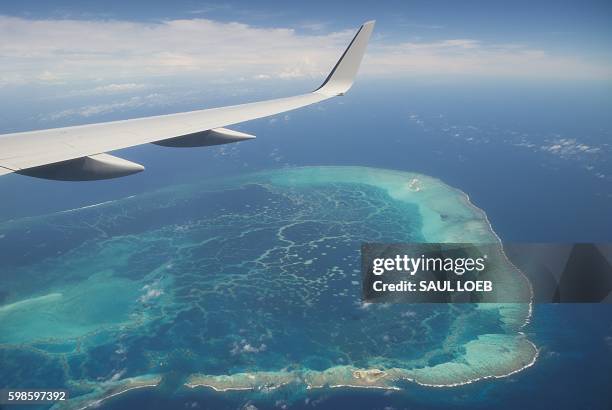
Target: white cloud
{"type": "Point", "coordinates": [103, 90]}
{"type": "Point", "coordinates": [314, 26]}
{"type": "Point", "coordinates": [569, 147]}
{"type": "Point", "coordinates": [150, 100]}
{"type": "Point", "coordinates": [473, 57]}
{"type": "Point", "coordinates": [245, 347]}
{"type": "Point", "coordinates": [116, 88]}
{"type": "Point", "coordinates": [151, 292]}
{"type": "Point", "coordinates": [73, 50]}
{"type": "Point", "coordinates": [70, 50]}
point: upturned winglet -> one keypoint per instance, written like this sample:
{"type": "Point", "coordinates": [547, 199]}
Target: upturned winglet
{"type": "Point", "coordinates": [341, 78]}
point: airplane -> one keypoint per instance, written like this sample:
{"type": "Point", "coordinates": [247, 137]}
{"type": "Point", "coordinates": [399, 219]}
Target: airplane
{"type": "Point", "coordinates": [79, 153]}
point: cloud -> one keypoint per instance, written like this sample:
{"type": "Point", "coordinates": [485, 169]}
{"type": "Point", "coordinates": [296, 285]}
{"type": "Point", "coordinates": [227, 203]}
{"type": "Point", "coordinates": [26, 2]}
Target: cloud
{"type": "Point", "coordinates": [103, 90]}
{"type": "Point", "coordinates": [474, 57]}
{"type": "Point", "coordinates": [314, 26]}
{"type": "Point", "coordinates": [150, 100]}
{"type": "Point", "coordinates": [569, 147]}
{"type": "Point", "coordinates": [73, 50]}
{"type": "Point", "coordinates": [151, 292]}
{"type": "Point", "coordinates": [116, 88]}
{"type": "Point", "coordinates": [245, 347]}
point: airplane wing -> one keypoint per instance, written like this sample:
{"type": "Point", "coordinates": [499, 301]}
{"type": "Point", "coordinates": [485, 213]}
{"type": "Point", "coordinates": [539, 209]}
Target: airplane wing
{"type": "Point", "coordinates": [80, 152]}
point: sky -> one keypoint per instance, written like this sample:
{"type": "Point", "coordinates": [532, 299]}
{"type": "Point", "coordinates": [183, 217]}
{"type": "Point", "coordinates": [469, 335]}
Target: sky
{"type": "Point", "coordinates": [115, 45]}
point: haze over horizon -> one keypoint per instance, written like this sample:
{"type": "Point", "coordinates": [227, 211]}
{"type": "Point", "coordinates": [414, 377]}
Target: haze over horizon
{"type": "Point", "coordinates": [118, 43]}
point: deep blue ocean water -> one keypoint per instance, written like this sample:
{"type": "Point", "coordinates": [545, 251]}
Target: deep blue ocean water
{"type": "Point", "coordinates": [494, 142]}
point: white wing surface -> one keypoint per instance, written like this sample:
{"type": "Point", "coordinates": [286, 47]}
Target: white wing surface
{"type": "Point", "coordinates": [79, 153]}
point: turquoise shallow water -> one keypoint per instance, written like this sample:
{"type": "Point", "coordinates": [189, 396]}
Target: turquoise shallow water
{"type": "Point", "coordinates": [248, 283]}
